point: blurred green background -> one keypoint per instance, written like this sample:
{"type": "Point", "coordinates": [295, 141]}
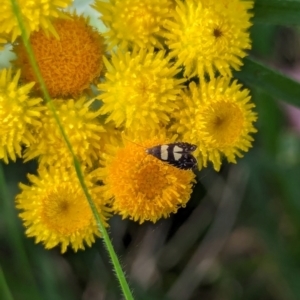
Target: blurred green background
{"type": "Point", "coordinates": [238, 237]}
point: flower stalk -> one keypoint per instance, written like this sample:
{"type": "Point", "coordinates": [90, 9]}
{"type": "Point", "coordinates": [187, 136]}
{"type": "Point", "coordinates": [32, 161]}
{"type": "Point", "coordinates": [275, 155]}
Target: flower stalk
{"type": "Point", "coordinates": [116, 264]}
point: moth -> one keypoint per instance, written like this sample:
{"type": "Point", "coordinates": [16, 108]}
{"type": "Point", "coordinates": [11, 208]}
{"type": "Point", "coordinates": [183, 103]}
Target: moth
{"type": "Point", "coordinates": [178, 154]}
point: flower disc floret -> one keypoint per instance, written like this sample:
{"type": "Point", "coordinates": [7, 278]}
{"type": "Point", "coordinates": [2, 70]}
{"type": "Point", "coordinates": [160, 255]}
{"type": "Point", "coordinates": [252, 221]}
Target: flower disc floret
{"type": "Point", "coordinates": [69, 64]}
{"type": "Point", "coordinates": [19, 114]}
{"type": "Point", "coordinates": [81, 126]}
{"type": "Point", "coordinates": [218, 117]}
{"type": "Point", "coordinates": [55, 211]}
{"type": "Point", "coordinates": [142, 187]}
{"type": "Point", "coordinates": [140, 89]}
{"type": "Point", "coordinates": [37, 14]}
{"type": "Point", "coordinates": [208, 36]}
{"type": "Point", "coordinates": [134, 22]}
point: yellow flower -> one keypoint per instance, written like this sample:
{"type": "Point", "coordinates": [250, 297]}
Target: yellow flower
{"type": "Point", "coordinates": [143, 187]}
{"type": "Point", "coordinates": [218, 117]}
{"type": "Point", "coordinates": [140, 89]}
{"type": "Point", "coordinates": [112, 135]}
{"type": "Point", "coordinates": [134, 22]}
{"type": "Point", "coordinates": [35, 14]}
{"type": "Point", "coordinates": [55, 210]}
{"type": "Point", "coordinates": [208, 36]}
{"type": "Point", "coordinates": [18, 115]}
{"type": "Point", "coordinates": [81, 126]}
{"type": "Point", "coordinates": [3, 41]}
{"type": "Point", "coordinates": [68, 64]}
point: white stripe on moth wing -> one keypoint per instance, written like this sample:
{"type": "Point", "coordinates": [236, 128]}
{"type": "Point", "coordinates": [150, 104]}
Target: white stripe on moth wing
{"type": "Point", "coordinates": [177, 156]}
{"type": "Point", "coordinates": [164, 152]}
{"type": "Point", "coordinates": [177, 149]}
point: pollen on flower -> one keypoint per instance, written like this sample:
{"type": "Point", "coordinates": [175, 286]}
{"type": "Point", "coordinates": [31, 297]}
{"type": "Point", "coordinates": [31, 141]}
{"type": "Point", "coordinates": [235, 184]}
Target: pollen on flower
{"type": "Point", "coordinates": [142, 187]}
{"type": "Point", "coordinates": [19, 114]}
{"type": "Point", "coordinates": [134, 22]}
{"type": "Point", "coordinates": [140, 89]}
{"type": "Point", "coordinates": [36, 15]}
{"type": "Point", "coordinates": [218, 117]}
{"type": "Point", "coordinates": [55, 211]}
{"type": "Point", "coordinates": [209, 36]}
{"type": "Point", "coordinates": [81, 126]}
{"type": "Point", "coordinates": [70, 64]}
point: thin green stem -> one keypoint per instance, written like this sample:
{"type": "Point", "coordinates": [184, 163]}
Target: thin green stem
{"type": "Point", "coordinates": [4, 289]}
{"type": "Point", "coordinates": [116, 264]}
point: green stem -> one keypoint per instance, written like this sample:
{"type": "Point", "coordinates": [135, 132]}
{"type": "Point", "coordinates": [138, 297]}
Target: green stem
{"type": "Point", "coordinates": [4, 289]}
{"type": "Point", "coordinates": [116, 264]}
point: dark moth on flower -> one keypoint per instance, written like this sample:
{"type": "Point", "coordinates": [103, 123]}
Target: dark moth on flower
{"type": "Point", "coordinates": [176, 154]}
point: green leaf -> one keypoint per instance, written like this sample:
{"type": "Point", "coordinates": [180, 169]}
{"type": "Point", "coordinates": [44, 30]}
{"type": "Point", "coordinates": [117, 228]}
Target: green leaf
{"type": "Point", "coordinates": [270, 119]}
{"type": "Point", "coordinates": [271, 81]}
{"type": "Point", "coordinates": [284, 12]}
{"type": "Point", "coordinates": [262, 36]}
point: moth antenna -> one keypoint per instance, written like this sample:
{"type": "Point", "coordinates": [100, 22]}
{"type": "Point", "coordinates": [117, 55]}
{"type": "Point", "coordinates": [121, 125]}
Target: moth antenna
{"type": "Point", "coordinates": [133, 142]}
{"type": "Point", "coordinates": [137, 145]}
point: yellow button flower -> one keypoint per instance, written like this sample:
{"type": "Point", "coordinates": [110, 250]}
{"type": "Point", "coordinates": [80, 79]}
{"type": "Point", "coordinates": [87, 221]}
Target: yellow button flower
{"type": "Point", "coordinates": [218, 117]}
{"type": "Point", "coordinates": [55, 211]}
{"type": "Point", "coordinates": [19, 115]}
{"type": "Point", "coordinates": [143, 188]}
{"type": "Point", "coordinates": [81, 126]}
{"type": "Point", "coordinates": [134, 22]}
{"type": "Point", "coordinates": [140, 89]}
{"type": "Point", "coordinates": [68, 64]}
{"type": "Point", "coordinates": [209, 36]}
{"type": "Point", "coordinates": [36, 15]}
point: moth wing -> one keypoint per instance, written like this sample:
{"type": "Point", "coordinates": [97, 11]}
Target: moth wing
{"type": "Point", "coordinates": [185, 147]}
{"type": "Point", "coordinates": [186, 162]}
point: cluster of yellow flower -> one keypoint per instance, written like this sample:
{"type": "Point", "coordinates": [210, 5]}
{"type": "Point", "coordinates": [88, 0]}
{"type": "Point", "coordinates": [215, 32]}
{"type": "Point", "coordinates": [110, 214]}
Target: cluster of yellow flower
{"type": "Point", "coordinates": [162, 72]}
